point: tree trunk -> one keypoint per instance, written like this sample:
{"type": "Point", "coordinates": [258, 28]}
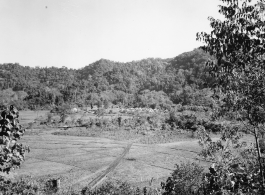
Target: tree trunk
{"type": "Point", "coordinates": [259, 159]}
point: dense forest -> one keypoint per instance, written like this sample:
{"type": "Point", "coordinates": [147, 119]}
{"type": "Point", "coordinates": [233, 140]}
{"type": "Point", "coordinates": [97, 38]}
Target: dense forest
{"type": "Point", "coordinates": [155, 83]}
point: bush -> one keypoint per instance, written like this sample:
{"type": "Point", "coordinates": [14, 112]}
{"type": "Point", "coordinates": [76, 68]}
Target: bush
{"type": "Point", "coordinates": [19, 104]}
{"type": "Point", "coordinates": [110, 188]}
{"type": "Point", "coordinates": [82, 122]}
{"type": "Point", "coordinates": [24, 186]}
{"type": "Point", "coordinates": [211, 126]}
{"type": "Point", "coordinates": [12, 153]}
{"type": "Point", "coordinates": [106, 104]}
{"type": "Point", "coordinates": [183, 121]}
{"type": "Point", "coordinates": [91, 122]}
{"type": "Point", "coordinates": [63, 117]}
{"type": "Point", "coordinates": [105, 122]}
{"type": "Point", "coordinates": [186, 179]}
{"type": "Point", "coordinates": [63, 109]}
{"type": "Point", "coordinates": [100, 111]}
{"type": "Point", "coordinates": [191, 121]}
{"type": "Point", "coordinates": [119, 188]}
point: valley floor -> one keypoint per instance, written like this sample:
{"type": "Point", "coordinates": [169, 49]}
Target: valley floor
{"type": "Point", "coordinates": [79, 161]}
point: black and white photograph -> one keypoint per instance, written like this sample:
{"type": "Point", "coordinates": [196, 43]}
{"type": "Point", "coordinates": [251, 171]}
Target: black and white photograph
{"type": "Point", "coordinates": [132, 97]}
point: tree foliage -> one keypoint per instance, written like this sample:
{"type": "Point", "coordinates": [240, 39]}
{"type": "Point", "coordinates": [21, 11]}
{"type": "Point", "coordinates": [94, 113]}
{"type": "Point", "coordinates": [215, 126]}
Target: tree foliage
{"type": "Point", "coordinates": [105, 80]}
{"type": "Point", "coordinates": [186, 179]}
{"type": "Point", "coordinates": [12, 153]}
{"type": "Point", "coordinates": [237, 43]}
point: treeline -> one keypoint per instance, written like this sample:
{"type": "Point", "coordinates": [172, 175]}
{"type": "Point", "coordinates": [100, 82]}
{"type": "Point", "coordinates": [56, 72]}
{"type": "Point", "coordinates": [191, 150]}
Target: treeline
{"type": "Point", "coordinates": [156, 83]}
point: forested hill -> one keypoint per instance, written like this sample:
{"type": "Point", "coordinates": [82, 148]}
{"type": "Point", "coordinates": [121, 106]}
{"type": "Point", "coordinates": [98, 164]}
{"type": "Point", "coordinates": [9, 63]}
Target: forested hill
{"type": "Point", "coordinates": [148, 83]}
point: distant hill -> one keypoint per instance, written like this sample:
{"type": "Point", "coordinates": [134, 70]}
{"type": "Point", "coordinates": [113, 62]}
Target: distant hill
{"type": "Point", "coordinates": [105, 80]}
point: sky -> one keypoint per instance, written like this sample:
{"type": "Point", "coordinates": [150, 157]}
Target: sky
{"type": "Point", "coordinates": [76, 33]}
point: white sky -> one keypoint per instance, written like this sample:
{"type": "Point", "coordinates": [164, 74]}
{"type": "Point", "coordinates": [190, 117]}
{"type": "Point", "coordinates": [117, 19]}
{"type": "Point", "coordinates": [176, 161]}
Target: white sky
{"type": "Point", "coordinates": [75, 33]}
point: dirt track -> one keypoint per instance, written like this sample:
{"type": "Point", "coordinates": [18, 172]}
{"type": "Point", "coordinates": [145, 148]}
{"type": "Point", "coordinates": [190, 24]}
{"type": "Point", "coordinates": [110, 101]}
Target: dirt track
{"type": "Point", "coordinates": [112, 166]}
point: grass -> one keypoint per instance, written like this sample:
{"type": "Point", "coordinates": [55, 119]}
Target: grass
{"type": "Point", "coordinates": [70, 157]}
{"type": "Point", "coordinates": [30, 116]}
{"type": "Point", "coordinates": [144, 137]}
{"type": "Point", "coordinates": [142, 133]}
{"type": "Point", "coordinates": [37, 129]}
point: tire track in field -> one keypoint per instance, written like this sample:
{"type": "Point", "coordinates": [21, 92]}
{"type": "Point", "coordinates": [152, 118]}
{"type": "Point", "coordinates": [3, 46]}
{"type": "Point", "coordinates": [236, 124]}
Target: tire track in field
{"type": "Point", "coordinates": [110, 168]}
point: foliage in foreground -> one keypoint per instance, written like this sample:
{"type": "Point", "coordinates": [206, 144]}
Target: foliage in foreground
{"type": "Point", "coordinates": [23, 186]}
{"type": "Point", "coordinates": [29, 186]}
{"type": "Point", "coordinates": [186, 179]}
{"type": "Point", "coordinates": [12, 152]}
{"type": "Point", "coordinates": [237, 43]}
{"type": "Point", "coordinates": [110, 188]}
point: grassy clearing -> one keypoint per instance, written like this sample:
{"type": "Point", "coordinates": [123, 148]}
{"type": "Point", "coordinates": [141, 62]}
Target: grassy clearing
{"type": "Point", "coordinates": [121, 134]}
{"type": "Point", "coordinates": [30, 116]}
{"type": "Point", "coordinates": [79, 152]}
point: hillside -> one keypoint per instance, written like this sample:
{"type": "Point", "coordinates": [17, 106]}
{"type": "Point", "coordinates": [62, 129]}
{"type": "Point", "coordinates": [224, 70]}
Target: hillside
{"type": "Point", "coordinates": [148, 83]}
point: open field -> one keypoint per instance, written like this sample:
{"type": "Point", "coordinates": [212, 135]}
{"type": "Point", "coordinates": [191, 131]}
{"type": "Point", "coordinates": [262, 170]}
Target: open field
{"type": "Point", "coordinates": [80, 161]}
{"type": "Point", "coordinates": [145, 137]}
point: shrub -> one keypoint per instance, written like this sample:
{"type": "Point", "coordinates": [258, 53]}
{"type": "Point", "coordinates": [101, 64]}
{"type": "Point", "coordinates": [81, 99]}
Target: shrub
{"type": "Point", "coordinates": [119, 188]}
{"type": "Point", "coordinates": [191, 121]}
{"type": "Point", "coordinates": [183, 121]}
{"type": "Point", "coordinates": [186, 179]}
{"type": "Point", "coordinates": [106, 104]}
{"type": "Point", "coordinates": [211, 126]}
{"type": "Point", "coordinates": [100, 112]}
{"type": "Point", "coordinates": [99, 104]}
{"type": "Point", "coordinates": [63, 117]}
{"type": "Point", "coordinates": [105, 122]}
{"type": "Point", "coordinates": [12, 153]}
{"type": "Point", "coordinates": [91, 122]}
{"type": "Point", "coordinates": [98, 122]}
{"type": "Point", "coordinates": [20, 104]}
{"type": "Point", "coordinates": [24, 186]}
{"type": "Point", "coordinates": [65, 108]}
{"type": "Point", "coordinates": [110, 188]}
